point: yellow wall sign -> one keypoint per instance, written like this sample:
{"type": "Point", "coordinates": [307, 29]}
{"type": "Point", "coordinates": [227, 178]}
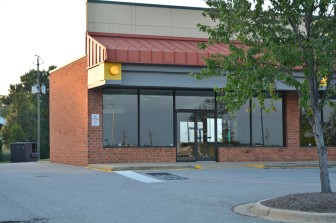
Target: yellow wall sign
{"type": "Point", "coordinates": [103, 72]}
{"type": "Point", "coordinates": [112, 71]}
{"type": "Point", "coordinates": [323, 82]}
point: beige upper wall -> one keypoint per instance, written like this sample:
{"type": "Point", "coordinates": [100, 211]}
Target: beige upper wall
{"type": "Point", "coordinates": [145, 20]}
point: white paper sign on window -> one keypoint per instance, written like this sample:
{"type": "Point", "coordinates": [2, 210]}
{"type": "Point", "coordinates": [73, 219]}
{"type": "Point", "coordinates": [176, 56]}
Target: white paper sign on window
{"type": "Point", "coordinates": [95, 120]}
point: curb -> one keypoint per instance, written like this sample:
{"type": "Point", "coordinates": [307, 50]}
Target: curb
{"type": "Point", "coordinates": [286, 166]}
{"type": "Point", "coordinates": [104, 169]}
{"type": "Point", "coordinates": [256, 209]}
{"type": "Point", "coordinates": [125, 168]}
{"type": "Point", "coordinates": [258, 166]}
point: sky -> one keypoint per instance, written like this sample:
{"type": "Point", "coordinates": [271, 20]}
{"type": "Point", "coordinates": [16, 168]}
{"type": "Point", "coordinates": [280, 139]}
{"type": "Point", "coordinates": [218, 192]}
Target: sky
{"type": "Point", "coordinates": [53, 29]}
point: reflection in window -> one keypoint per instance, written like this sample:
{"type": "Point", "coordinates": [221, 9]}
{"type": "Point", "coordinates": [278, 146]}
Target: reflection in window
{"type": "Point", "coordinates": [205, 134]}
{"type": "Point", "coordinates": [203, 100]}
{"type": "Point", "coordinates": [267, 127]}
{"type": "Point", "coordinates": [329, 124]}
{"type": "Point", "coordinates": [185, 136]}
{"type": "Point", "coordinates": [306, 131]}
{"type": "Point", "coordinates": [120, 118]}
{"type": "Point", "coordinates": [156, 118]}
{"type": "Point", "coordinates": [210, 129]}
{"type": "Point", "coordinates": [234, 131]}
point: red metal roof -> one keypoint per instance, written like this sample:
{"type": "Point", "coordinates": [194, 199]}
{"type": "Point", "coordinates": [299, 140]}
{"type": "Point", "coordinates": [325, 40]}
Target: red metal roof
{"type": "Point", "coordinates": [148, 49]}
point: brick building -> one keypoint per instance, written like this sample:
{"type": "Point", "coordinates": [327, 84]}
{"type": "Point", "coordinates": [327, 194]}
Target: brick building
{"type": "Point", "coordinates": [131, 98]}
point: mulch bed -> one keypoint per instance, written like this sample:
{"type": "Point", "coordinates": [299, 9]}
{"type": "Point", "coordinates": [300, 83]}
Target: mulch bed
{"type": "Point", "coordinates": [308, 202]}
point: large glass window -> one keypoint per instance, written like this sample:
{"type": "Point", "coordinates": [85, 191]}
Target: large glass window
{"type": "Point", "coordinates": [234, 131]}
{"type": "Point", "coordinates": [267, 127]}
{"type": "Point", "coordinates": [156, 118]}
{"type": "Point", "coordinates": [144, 117]}
{"type": "Point", "coordinates": [328, 118]}
{"type": "Point", "coordinates": [120, 117]}
{"type": "Point", "coordinates": [203, 100]}
{"type": "Point", "coordinates": [306, 131]}
{"type": "Point", "coordinates": [329, 124]}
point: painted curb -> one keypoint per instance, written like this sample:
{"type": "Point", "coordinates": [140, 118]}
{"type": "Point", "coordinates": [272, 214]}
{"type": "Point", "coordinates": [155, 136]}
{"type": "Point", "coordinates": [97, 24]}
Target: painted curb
{"type": "Point", "coordinates": [256, 209]}
{"type": "Point", "coordinates": [126, 168]}
{"type": "Point", "coordinates": [104, 169]}
{"type": "Point", "coordinates": [198, 167]}
{"type": "Point", "coordinates": [286, 166]}
{"type": "Point", "coordinates": [259, 166]}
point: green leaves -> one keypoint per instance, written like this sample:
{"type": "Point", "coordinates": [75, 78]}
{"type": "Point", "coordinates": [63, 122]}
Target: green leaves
{"type": "Point", "coordinates": [275, 39]}
{"type": "Point", "coordinates": [21, 112]}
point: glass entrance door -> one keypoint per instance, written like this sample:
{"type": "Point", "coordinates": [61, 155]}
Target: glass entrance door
{"type": "Point", "coordinates": [186, 136]}
{"type": "Point", "coordinates": [195, 136]}
{"type": "Point", "coordinates": [205, 135]}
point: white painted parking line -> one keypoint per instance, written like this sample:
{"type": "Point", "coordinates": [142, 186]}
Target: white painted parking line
{"type": "Point", "coordinates": [138, 177]}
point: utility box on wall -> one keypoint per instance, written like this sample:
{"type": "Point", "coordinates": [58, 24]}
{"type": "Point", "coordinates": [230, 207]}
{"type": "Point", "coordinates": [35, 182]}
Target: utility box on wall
{"type": "Point", "coordinates": [23, 152]}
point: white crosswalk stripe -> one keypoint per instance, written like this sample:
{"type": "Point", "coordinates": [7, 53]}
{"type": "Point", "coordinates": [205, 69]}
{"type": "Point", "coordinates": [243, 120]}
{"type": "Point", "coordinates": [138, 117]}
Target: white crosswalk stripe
{"type": "Point", "coordinates": [138, 177]}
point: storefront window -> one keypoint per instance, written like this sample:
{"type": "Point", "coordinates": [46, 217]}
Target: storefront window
{"type": "Point", "coordinates": [144, 117]}
{"type": "Point", "coordinates": [267, 127]}
{"type": "Point", "coordinates": [234, 131]}
{"type": "Point", "coordinates": [201, 100]}
{"type": "Point", "coordinates": [306, 131]}
{"type": "Point", "coordinates": [156, 118]}
{"type": "Point", "coordinates": [120, 117]}
{"type": "Point", "coordinates": [329, 124]}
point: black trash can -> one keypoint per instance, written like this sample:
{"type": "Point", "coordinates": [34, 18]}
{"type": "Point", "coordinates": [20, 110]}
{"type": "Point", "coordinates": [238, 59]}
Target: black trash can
{"type": "Point", "coordinates": [23, 152]}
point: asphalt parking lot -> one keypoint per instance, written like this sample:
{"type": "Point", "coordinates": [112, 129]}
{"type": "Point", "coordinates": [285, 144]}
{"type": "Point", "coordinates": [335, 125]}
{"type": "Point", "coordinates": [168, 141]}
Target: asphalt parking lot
{"type": "Point", "coordinates": [47, 192]}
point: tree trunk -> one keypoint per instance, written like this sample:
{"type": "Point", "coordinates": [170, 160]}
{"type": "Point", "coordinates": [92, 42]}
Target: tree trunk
{"type": "Point", "coordinates": [324, 172]}
{"type": "Point", "coordinates": [316, 124]}
{"type": "Point", "coordinates": [322, 153]}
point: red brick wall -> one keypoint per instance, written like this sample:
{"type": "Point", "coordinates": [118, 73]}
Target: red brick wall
{"type": "Point", "coordinates": [68, 114]}
{"type": "Point", "coordinates": [74, 141]}
{"type": "Point", "coordinates": [98, 154]}
{"type": "Point", "coordinates": [132, 155]}
{"type": "Point", "coordinates": [292, 151]}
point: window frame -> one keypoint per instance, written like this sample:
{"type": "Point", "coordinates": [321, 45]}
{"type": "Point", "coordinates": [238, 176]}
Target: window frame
{"type": "Point", "coordinates": [282, 95]}
{"type": "Point", "coordinates": [175, 110]}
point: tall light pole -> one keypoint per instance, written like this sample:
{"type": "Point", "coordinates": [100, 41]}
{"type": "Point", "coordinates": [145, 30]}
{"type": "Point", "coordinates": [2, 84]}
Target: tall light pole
{"type": "Point", "coordinates": [38, 92]}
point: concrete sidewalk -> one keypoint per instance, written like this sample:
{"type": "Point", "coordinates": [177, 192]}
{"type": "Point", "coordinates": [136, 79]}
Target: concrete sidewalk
{"type": "Point", "coordinates": [206, 165]}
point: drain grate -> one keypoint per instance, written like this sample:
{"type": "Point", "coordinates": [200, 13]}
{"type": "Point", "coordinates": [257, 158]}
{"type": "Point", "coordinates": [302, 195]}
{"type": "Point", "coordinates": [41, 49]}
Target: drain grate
{"type": "Point", "coordinates": [167, 176]}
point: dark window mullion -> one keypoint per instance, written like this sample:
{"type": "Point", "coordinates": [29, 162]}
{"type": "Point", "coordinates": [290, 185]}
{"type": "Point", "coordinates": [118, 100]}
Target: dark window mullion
{"type": "Point", "coordinates": [138, 127]}
{"type": "Point", "coordinates": [284, 120]}
{"type": "Point", "coordinates": [251, 134]}
{"type": "Point", "coordinates": [195, 135]}
{"type": "Point", "coordinates": [215, 117]}
{"type": "Point", "coordinates": [175, 120]}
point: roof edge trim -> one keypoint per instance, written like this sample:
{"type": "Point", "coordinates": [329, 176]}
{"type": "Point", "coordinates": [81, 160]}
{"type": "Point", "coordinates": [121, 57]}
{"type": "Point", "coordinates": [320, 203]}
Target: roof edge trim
{"type": "Point", "coordinates": [146, 4]}
{"type": "Point", "coordinates": [72, 61]}
{"type": "Point", "coordinates": [92, 34]}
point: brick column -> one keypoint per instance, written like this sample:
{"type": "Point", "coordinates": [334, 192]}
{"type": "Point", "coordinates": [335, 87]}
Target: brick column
{"type": "Point", "coordinates": [292, 121]}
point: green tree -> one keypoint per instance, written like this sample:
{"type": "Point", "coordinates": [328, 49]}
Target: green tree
{"type": "Point", "coordinates": [21, 119]}
{"type": "Point", "coordinates": [17, 134]}
{"type": "Point", "coordinates": [3, 110]}
{"type": "Point", "coordinates": [269, 41]}
{"type": "Point", "coordinates": [3, 113]}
